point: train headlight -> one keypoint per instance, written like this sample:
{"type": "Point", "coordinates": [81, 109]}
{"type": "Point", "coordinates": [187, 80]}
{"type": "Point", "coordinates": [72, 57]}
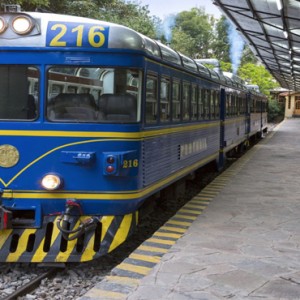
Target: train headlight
{"type": "Point", "coordinates": [3, 25]}
{"type": "Point", "coordinates": [22, 25]}
{"type": "Point", "coordinates": [51, 182]}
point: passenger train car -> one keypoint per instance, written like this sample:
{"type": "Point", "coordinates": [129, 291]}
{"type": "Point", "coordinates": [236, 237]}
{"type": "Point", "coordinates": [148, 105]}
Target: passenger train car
{"type": "Point", "coordinates": [95, 118]}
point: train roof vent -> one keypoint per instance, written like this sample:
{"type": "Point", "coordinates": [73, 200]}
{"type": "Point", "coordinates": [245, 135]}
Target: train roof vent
{"type": "Point", "coordinates": [253, 87]}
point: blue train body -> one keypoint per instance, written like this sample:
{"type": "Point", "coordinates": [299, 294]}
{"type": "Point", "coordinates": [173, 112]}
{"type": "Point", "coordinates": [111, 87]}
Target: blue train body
{"type": "Point", "coordinates": [94, 119]}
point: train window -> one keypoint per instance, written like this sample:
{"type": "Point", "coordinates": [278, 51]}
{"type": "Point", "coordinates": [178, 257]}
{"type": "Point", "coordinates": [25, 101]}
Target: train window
{"type": "Point", "coordinates": [169, 54]}
{"type": "Point", "coordinates": [93, 95]}
{"type": "Point", "coordinates": [165, 100]}
{"type": "Point", "coordinates": [151, 47]}
{"type": "Point", "coordinates": [203, 103]}
{"type": "Point", "coordinates": [19, 92]}
{"type": "Point", "coordinates": [242, 104]}
{"type": "Point", "coordinates": [207, 104]}
{"type": "Point", "coordinates": [72, 89]}
{"type": "Point", "coordinates": [176, 109]}
{"type": "Point", "coordinates": [194, 106]}
{"type": "Point", "coordinates": [217, 104]}
{"type": "Point", "coordinates": [55, 89]}
{"type": "Point", "coordinates": [228, 105]}
{"type": "Point", "coordinates": [151, 100]}
{"type": "Point", "coordinates": [253, 104]}
{"type": "Point", "coordinates": [186, 101]}
{"type": "Point", "coordinates": [233, 105]}
{"type": "Point", "coordinates": [212, 104]}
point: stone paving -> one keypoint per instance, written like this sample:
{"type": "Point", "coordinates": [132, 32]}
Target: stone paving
{"type": "Point", "coordinates": [246, 244]}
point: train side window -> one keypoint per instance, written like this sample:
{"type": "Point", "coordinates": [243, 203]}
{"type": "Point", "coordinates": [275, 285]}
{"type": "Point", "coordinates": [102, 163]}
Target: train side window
{"type": "Point", "coordinates": [203, 103]}
{"type": "Point", "coordinates": [235, 104]}
{"type": "Point", "coordinates": [217, 104]}
{"type": "Point", "coordinates": [176, 111]}
{"type": "Point", "coordinates": [165, 100]}
{"type": "Point", "coordinates": [207, 104]}
{"type": "Point", "coordinates": [93, 94]}
{"type": "Point", "coordinates": [186, 101]}
{"type": "Point", "coordinates": [228, 105]}
{"type": "Point", "coordinates": [194, 104]}
{"type": "Point", "coordinates": [232, 105]}
{"type": "Point", "coordinates": [240, 104]}
{"type": "Point", "coordinates": [151, 100]}
{"type": "Point", "coordinates": [212, 104]}
{"type": "Point", "coordinates": [252, 107]}
{"type": "Point", "coordinates": [19, 92]}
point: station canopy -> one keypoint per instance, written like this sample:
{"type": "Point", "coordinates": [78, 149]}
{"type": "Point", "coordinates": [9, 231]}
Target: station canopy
{"type": "Point", "coordinates": [272, 30]}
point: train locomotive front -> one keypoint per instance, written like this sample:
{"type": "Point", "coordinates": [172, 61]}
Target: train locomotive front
{"type": "Point", "coordinates": [68, 171]}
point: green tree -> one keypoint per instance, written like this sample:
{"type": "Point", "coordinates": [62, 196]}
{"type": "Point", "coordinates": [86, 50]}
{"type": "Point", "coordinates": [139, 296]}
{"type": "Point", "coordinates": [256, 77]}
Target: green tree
{"type": "Point", "coordinates": [257, 74]}
{"type": "Point", "coordinates": [183, 42]}
{"type": "Point", "coordinates": [199, 27]}
{"type": "Point", "coordinates": [248, 56]}
{"type": "Point", "coordinates": [28, 5]}
{"type": "Point", "coordinates": [275, 111]}
{"type": "Point", "coordinates": [220, 43]}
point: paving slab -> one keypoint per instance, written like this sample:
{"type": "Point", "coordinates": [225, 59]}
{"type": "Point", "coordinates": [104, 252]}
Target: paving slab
{"type": "Point", "coordinates": [246, 244]}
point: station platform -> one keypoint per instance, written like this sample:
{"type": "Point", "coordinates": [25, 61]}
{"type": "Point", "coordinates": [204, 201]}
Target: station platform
{"type": "Point", "coordinates": [238, 239]}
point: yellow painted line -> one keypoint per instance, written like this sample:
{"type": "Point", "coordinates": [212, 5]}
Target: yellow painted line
{"type": "Point", "coordinates": [63, 256]}
{"type": "Point", "coordinates": [133, 268]}
{"type": "Point", "coordinates": [122, 195]}
{"type": "Point", "coordinates": [80, 134]}
{"type": "Point", "coordinates": [165, 234]}
{"type": "Point", "coordinates": [4, 236]}
{"type": "Point", "coordinates": [147, 258]}
{"type": "Point", "coordinates": [209, 193]}
{"type": "Point", "coordinates": [122, 232]}
{"type": "Point", "coordinates": [89, 252]}
{"type": "Point", "coordinates": [106, 223]}
{"type": "Point", "coordinates": [202, 198]}
{"type": "Point", "coordinates": [179, 223]}
{"type": "Point", "coordinates": [102, 294]}
{"type": "Point", "coordinates": [159, 241]}
{"type": "Point", "coordinates": [22, 245]}
{"type": "Point", "coordinates": [123, 280]}
{"type": "Point", "coordinates": [102, 134]}
{"type": "Point", "coordinates": [191, 205]}
{"type": "Point", "coordinates": [217, 185]}
{"type": "Point", "coordinates": [153, 249]}
{"type": "Point", "coordinates": [173, 229]}
{"type": "Point", "coordinates": [181, 216]}
{"type": "Point", "coordinates": [191, 211]}
{"type": "Point", "coordinates": [39, 254]}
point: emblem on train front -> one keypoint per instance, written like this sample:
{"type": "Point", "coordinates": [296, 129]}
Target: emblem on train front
{"type": "Point", "coordinates": [9, 156]}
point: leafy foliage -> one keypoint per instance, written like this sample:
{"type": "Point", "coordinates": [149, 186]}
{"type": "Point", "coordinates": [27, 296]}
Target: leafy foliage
{"type": "Point", "coordinates": [198, 27]}
{"type": "Point", "coordinates": [275, 111]}
{"type": "Point", "coordinates": [257, 74]}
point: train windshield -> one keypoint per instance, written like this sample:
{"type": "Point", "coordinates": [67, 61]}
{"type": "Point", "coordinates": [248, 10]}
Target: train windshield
{"type": "Point", "coordinates": [93, 94]}
{"type": "Point", "coordinates": [18, 92]}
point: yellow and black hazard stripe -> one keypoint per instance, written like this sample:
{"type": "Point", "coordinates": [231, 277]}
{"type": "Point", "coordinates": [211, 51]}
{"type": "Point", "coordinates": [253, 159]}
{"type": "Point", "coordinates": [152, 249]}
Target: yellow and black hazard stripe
{"type": "Point", "coordinates": [46, 244]}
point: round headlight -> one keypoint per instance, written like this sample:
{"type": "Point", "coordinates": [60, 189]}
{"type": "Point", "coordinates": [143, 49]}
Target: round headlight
{"type": "Point", "coordinates": [3, 25]}
{"type": "Point", "coordinates": [51, 182]}
{"type": "Point", "coordinates": [22, 25]}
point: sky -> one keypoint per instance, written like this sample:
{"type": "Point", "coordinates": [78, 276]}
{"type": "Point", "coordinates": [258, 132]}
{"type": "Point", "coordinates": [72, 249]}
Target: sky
{"type": "Point", "coordinates": [162, 8]}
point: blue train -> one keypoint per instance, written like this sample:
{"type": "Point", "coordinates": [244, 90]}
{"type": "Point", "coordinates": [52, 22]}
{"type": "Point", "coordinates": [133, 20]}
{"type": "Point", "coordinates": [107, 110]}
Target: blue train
{"type": "Point", "coordinates": [95, 118]}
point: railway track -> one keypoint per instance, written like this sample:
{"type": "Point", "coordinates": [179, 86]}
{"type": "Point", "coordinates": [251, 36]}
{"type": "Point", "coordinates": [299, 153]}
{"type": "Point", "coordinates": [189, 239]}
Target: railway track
{"type": "Point", "coordinates": [32, 285]}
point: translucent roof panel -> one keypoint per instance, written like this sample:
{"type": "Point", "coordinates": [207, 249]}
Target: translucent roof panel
{"type": "Point", "coordinates": [272, 30]}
